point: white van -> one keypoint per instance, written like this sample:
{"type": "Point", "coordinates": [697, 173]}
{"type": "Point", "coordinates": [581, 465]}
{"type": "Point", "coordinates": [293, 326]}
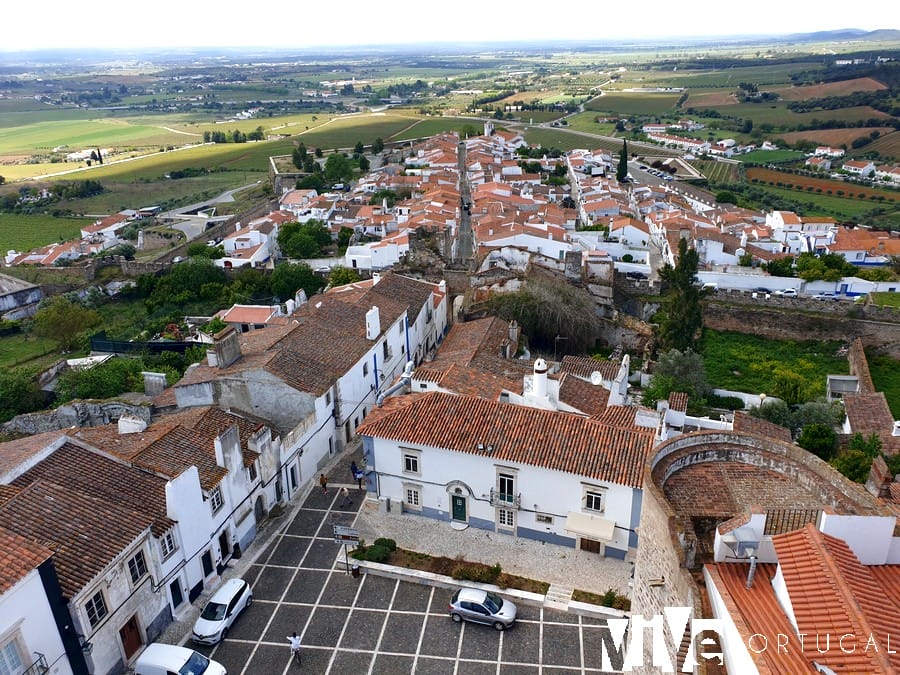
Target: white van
{"type": "Point", "coordinates": [160, 659]}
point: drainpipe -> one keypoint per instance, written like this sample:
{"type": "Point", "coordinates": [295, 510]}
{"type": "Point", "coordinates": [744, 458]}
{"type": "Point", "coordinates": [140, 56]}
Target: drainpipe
{"type": "Point", "coordinates": [405, 379]}
{"type": "Point", "coordinates": [752, 572]}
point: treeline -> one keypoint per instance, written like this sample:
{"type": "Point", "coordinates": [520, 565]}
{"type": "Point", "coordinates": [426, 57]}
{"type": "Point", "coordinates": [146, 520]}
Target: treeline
{"type": "Point", "coordinates": [235, 136]}
{"type": "Point", "coordinates": [883, 101]}
{"type": "Point", "coordinates": [24, 199]}
{"type": "Point", "coordinates": [491, 98]}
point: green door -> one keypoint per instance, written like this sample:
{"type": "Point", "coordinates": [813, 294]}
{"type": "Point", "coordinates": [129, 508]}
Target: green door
{"type": "Point", "coordinates": [459, 508]}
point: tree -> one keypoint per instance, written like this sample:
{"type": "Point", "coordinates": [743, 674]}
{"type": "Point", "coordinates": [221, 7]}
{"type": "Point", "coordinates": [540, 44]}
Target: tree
{"type": "Point", "coordinates": [681, 320]}
{"type": "Point", "coordinates": [378, 146]}
{"type": "Point", "coordinates": [337, 169]}
{"type": "Point", "coordinates": [303, 240]}
{"type": "Point", "coordinates": [819, 439]}
{"type": "Point", "coordinates": [288, 278]}
{"type": "Point", "coordinates": [19, 393]}
{"type": "Point", "coordinates": [62, 320]}
{"type": "Point", "coordinates": [363, 163]}
{"type": "Point", "coordinates": [359, 148]}
{"type": "Point", "coordinates": [379, 196]}
{"type": "Point", "coordinates": [342, 275]}
{"type": "Point", "coordinates": [782, 267]}
{"type": "Point", "coordinates": [622, 168]}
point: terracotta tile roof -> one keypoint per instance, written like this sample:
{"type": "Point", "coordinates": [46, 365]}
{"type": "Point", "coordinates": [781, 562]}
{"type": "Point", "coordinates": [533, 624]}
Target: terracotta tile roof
{"type": "Point", "coordinates": [678, 400]}
{"type": "Point", "coordinates": [870, 414]}
{"type": "Point", "coordinates": [214, 421]}
{"type": "Point", "coordinates": [583, 366]}
{"type": "Point", "coordinates": [755, 611]}
{"type": "Point", "coordinates": [621, 416]}
{"type": "Point", "coordinates": [14, 453]}
{"type": "Point", "coordinates": [746, 423]}
{"type": "Point", "coordinates": [590, 399]}
{"type": "Point", "coordinates": [477, 344]}
{"type": "Point", "coordinates": [85, 533]}
{"type": "Point", "coordinates": [411, 292]}
{"type": "Point", "coordinates": [832, 593]}
{"type": "Point", "coordinates": [126, 446]}
{"type": "Point", "coordinates": [467, 381]}
{"type": "Point", "coordinates": [256, 314]}
{"type": "Point", "coordinates": [18, 557]}
{"type": "Point", "coordinates": [104, 478]}
{"type": "Point", "coordinates": [553, 440]}
{"type": "Point", "coordinates": [177, 451]}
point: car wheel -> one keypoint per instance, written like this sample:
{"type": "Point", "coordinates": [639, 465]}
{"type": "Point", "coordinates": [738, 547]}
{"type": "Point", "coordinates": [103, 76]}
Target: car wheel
{"type": "Point", "coordinates": [456, 618]}
{"type": "Point", "coordinates": [249, 602]}
{"type": "Point", "coordinates": [499, 626]}
{"type": "Point", "coordinates": [224, 635]}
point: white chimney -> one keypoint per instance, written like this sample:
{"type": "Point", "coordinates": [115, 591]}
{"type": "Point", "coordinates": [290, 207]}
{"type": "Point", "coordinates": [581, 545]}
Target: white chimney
{"type": "Point", "coordinates": [539, 386]}
{"type": "Point", "coordinates": [896, 429]}
{"type": "Point", "coordinates": [442, 287]}
{"type": "Point", "coordinates": [376, 277]}
{"type": "Point", "coordinates": [291, 305]}
{"type": "Point", "coordinates": [373, 324]}
{"type": "Point", "coordinates": [130, 424]}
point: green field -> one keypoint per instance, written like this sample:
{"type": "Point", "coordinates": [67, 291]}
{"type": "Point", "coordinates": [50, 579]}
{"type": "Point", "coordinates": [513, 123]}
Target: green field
{"type": "Point", "coordinates": [843, 208]}
{"type": "Point", "coordinates": [23, 233]}
{"type": "Point", "coordinates": [634, 103]}
{"type": "Point", "coordinates": [430, 126]}
{"type": "Point", "coordinates": [747, 363]}
{"type": "Point", "coordinates": [719, 172]}
{"type": "Point", "coordinates": [770, 156]}
{"type": "Point", "coordinates": [885, 373]}
{"type": "Point", "coordinates": [564, 140]}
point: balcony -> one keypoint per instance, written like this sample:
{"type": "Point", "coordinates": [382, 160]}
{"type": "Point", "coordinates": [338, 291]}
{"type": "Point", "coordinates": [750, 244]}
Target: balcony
{"type": "Point", "coordinates": [39, 667]}
{"type": "Point", "coordinates": [509, 501]}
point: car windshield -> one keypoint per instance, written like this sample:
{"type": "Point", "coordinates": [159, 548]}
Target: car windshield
{"type": "Point", "coordinates": [493, 603]}
{"type": "Point", "coordinates": [214, 611]}
{"type": "Point", "coordinates": [195, 665]}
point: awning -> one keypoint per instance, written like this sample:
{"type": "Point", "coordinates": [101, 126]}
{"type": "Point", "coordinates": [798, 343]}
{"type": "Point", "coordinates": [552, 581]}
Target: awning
{"type": "Point", "coordinates": [587, 525]}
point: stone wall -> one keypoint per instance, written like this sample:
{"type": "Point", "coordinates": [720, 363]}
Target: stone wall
{"type": "Point", "coordinates": [837, 321]}
{"type": "Point", "coordinates": [77, 414]}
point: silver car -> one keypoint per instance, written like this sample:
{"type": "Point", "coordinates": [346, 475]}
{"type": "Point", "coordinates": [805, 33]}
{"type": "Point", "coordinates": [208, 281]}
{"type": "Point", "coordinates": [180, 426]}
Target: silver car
{"type": "Point", "coordinates": [221, 611]}
{"type": "Point", "coordinates": [472, 604]}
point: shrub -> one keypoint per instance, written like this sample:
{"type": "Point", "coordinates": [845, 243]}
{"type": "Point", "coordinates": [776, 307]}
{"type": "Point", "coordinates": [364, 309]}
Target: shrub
{"type": "Point", "coordinates": [377, 554]}
{"type": "Point", "coordinates": [476, 572]}
{"type": "Point", "coordinates": [389, 544]}
{"type": "Point", "coordinates": [609, 598]}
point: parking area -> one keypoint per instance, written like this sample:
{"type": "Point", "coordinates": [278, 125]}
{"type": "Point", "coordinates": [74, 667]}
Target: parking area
{"type": "Point", "coordinates": [375, 624]}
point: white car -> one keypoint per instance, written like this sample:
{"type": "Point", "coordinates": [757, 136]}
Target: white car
{"type": "Point", "coordinates": [221, 611]}
{"type": "Point", "coordinates": [162, 659]}
{"type": "Point", "coordinates": [787, 293]}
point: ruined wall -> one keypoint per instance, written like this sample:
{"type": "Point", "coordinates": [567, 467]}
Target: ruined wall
{"type": "Point", "coordinates": [75, 414]}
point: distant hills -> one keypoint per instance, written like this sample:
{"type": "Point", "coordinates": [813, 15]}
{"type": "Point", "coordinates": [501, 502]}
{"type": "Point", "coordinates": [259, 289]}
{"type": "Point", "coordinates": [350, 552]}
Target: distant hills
{"type": "Point", "coordinates": [880, 35]}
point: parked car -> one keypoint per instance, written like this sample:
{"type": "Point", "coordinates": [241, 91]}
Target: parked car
{"type": "Point", "coordinates": [162, 659]}
{"type": "Point", "coordinates": [827, 295]}
{"type": "Point", "coordinates": [787, 293]}
{"type": "Point", "coordinates": [472, 604]}
{"type": "Point", "coordinates": [221, 612]}
{"type": "Point", "coordinates": [762, 289]}
{"type": "Point", "coordinates": [635, 275]}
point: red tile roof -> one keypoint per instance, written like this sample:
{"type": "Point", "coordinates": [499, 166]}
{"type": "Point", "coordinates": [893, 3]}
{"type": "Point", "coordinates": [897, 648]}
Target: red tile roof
{"type": "Point", "coordinates": [18, 557]}
{"type": "Point", "coordinates": [559, 441]}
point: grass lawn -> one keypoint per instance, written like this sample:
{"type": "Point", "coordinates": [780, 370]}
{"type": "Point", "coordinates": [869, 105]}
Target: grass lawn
{"type": "Point", "coordinates": [770, 156]}
{"type": "Point", "coordinates": [885, 373]}
{"type": "Point", "coordinates": [885, 299]}
{"type": "Point", "coordinates": [28, 352]}
{"type": "Point", "coordinates": [21, 233]}
{"type": "Point", "coordinates": [747, 363]}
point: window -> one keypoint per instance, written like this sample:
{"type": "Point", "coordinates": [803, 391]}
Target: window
{"type": "Point", "coordinates": [251, 472]}
{"type": "Point", "coordinates": [215, 499]}
{"type": "Point", "coordinates": [137, 567]}
{"type": "Point", "coordinates": [96, 609]}
{"type": "Point", "coordinates": [506, 517]}
{"type": "Point", "coordinates": [167, 545]}
{"type": "Point", "coordinates": [400, 328]}
{"type": "Point", "coordinates": [365, 369]}
{"type": "Point", "coordinates": [11, 659]}
{"type": "Point", "coordinates": [593, 501]}
{"type": "Point", "coordinates": [543, 518]}
{"type": "Point", "coordinates": [413, 497]}
{"type": "Point", "coordinates": [386, 350]}
{"type": "Point", "coordinates": [410, 463]}
{"type": "Point", "coordinates": [506, 487]}
{"type": "Point", "coordinates": [327, 398]}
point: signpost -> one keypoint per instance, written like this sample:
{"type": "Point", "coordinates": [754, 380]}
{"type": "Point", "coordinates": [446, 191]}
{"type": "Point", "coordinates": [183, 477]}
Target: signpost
{"type": "Point", "coordinates": [345, 535]}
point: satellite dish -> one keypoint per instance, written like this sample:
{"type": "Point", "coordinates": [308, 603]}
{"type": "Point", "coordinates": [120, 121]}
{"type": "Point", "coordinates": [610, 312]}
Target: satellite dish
{"type": "Point", "coordinates": [596, 377]}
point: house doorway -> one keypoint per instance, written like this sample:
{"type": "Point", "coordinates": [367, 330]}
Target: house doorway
{"type": "Point", "coordinates": [177, 595]}
{"type": "Point", "coordinates": [207, 563]}
{"type": "Point", "coordinates": [458, 508]}
{"type": "Point", "coordinates": [590, 545]}
{"type": "Point", "coordinates": [130, 635]}
{"type": "Point", "coordinates": [224, 546]}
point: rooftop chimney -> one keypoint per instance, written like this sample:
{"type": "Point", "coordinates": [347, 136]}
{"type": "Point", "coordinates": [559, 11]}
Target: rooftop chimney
{"type": "Point", "coordinates": [130, 424]}
{"type": "Point", "coordinates": [373, 324]}
{"type": "Point", "coordinates": [539, 386]}
{"type": "Point", "coordinates": [227, 346]}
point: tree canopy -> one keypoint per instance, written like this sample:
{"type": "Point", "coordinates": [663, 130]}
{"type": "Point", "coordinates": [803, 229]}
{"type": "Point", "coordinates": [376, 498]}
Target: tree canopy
{"type": "Point", "coordinates": [303, 240]}
{"type": "Point", "coordinates": [337, 169]}
{"type": "Point", "coordinates": [62, 320]}
{"type": "Point", "coordinates": [622, 168]}
{"type": "Point", "coordinates": [288, 278]}
{"type": "Point", "coordinates": [681, 319]}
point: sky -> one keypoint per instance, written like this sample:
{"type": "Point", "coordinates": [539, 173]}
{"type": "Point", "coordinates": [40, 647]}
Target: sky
{"type": "Point", "coordinates": [310, 23]}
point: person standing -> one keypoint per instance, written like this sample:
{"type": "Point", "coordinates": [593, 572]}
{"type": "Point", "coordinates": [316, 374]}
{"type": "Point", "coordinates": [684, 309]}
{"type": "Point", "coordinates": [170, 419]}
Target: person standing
{"type": "Point", "coordinates": [357, 474]}
{"type": "Point", "coordinates": [294, 639]}
{"type": "Point", "coordinates": [345, 498]}
{"type": "Point", "coordinates": [323, 481]}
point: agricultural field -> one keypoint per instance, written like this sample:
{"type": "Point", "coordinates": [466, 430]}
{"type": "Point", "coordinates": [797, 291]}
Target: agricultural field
{"type": "Point", "coordinates": [430, 126]}
{"type": "Point", "coordinates": [566, 140]}
{"type": "Point", "coordinates": [836, 138]}
{"type": "Point", "coordinates": [346, 131]}
{"type": "Point", "coordinates": [888, 145]}
{"type": "Point", "coordinates": [621, 103]}
{"type": "Point", "coordinates": [808, 184]}
{"type": "Point", "coordinates": [824, 89]}
{"type": "Point", "coordinates": [770, 157]}
{"type": "Point", "coordinates": [21, 233]}
{"type": "Point", "coordinates": [718, 173]}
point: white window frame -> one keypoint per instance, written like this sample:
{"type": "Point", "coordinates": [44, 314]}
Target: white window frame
{"type": "Point", "coordinates": [8, 665]}
{"type": "Point", "coordinates": [412, 462]}
{"type": "Point", "coordinates": [506, 518]}
{"type": "Point", "coordinates": [168, 545]}
{"type": "Point", "coordinates": [251, 472]}
{"type": "Point", "coordinates": [93, 606]}
{"type": "Point", "coordinates": [216, 501]}
{"type": "Point", "coordinates": [137, 567]}
{"type": "Point", "coordinates": [591, 494]}
{"type": "Point", "coordinates": [412, 496]}
{"type": "Point", "coordinates": [504, 475]}
{"type": "Point", "coordinates": [543, 519]}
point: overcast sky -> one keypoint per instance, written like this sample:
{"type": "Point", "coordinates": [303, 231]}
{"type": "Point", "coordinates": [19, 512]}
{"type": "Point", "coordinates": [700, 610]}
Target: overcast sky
{"type": "Point", "coordinates": [309, 23]}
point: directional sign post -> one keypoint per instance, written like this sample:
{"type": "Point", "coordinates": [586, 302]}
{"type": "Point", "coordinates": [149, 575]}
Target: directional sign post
{"type": "Point", "coordinates": [345, 535]}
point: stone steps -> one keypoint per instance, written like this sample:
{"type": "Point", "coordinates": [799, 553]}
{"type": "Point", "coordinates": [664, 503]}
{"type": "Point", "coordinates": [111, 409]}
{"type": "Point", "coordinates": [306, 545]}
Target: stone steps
{"type": "Point", "coordinates": [558, 597]}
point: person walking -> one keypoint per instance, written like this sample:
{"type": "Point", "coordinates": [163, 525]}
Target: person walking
{"type": "Point", "coordinates": [357, 474]}
{"type": "Point", "coordinates": [323, 481]}
{"type": "Point", "coordinates": [345, 498]}
{"type": "Point", "coordinates": [294, 639]}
